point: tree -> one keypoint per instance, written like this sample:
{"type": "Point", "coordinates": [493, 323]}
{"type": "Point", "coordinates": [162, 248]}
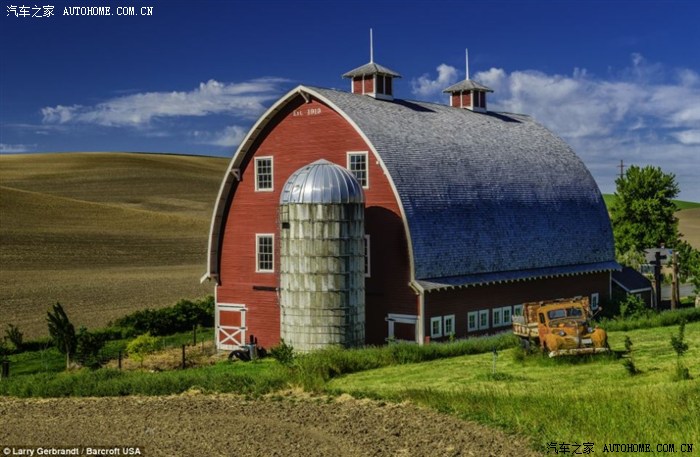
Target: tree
{"type": "Point", "coordinates": [62, 332]}
{"type": "Point", "coordinates": [88, 347]}
{"type": "Point", "coordinates": [688, 264]}
{"type": "Point", "coordinates": [643, 212]}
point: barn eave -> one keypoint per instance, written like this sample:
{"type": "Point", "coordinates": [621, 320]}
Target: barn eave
{"type": "Point", "coordinates": [505, 277]}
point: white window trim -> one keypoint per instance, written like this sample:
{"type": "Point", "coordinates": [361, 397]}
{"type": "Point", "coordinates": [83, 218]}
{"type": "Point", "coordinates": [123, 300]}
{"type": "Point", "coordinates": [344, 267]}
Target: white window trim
{"type": "Point", "coordinates": [595, 298]}
{"type": "Point", "coordinates": [257, 252]}
{"type": "Point", "coordinates": [484, 312]}
{"type": "Point", "coordinates": [503, 316]}
{"type": "Point", "coordinates": [437, 334]}
{"type": "Point", "coordinates": [272, 174]}
{"type": "Point", "coordinates": [451, 319]}
{"type": "Point", "coordinates": [499, 312]}
{"type": "Point", "coordinates": [476, 321]}
{"type": "Point", "coordinates": [517, 308]}
{"type": "Point", "coordinates": [368, 246]}
{"type": "Point", "coordinates": [356, 153]}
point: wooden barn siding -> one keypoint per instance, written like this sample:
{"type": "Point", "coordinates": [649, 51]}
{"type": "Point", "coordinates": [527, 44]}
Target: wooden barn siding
{"type": "Point", "coordinates": [462, 301]}
{"type": "Point", "coordinates": [295, 141]}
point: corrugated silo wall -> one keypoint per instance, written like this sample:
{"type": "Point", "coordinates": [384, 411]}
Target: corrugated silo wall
{"type": "Point", "coordinates": [322, 298]}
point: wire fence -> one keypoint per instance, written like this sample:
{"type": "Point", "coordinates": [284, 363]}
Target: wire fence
{"type": "Point", "coordinates": [181, 350]}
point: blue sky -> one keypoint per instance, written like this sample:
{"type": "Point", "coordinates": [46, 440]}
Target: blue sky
{"type": "Point", "coordinates": [616, 79]}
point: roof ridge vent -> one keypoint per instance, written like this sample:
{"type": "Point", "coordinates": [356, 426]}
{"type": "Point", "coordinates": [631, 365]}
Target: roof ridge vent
{"type": "Point", "coordinates": [371, 78]}
{"type": "Point", "coordinates": [468, 94]}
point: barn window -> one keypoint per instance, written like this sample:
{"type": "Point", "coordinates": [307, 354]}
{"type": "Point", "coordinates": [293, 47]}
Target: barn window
{"type": "Point", "coordinates": [497, 317]}
{"type": "Point", "coordinates": [448, 325]}
{"type": "Point", "coordinates": [263, 174]}
{"type": "Point", "coordinates": [435, 327]}
{"type": "Point", "coordinates": [595, 298]}
{"type": "Point", "coordinates": [473, 321]}
{"type": "Point", "coordinates": [506, 315]}
{"type": "Point", "coordinates": [483, 319]}
{"type": "Point", "coordinates": [367, 257]}
{"type": "Point", "coordinates": [518, 310]}
{"type": "Point", "coordinates": [264, 252]}
{"type": "Point", "coordinates": [357, 164]}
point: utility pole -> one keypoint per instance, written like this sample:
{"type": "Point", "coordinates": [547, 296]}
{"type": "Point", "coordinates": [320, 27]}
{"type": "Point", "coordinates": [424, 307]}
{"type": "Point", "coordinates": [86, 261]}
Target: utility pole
{"type": "Point", "coordinates": [622, 168]}
{"type": "Point", "coordinates": [675, 292]}
{"type": "Point", "coordinates": [657, 276]}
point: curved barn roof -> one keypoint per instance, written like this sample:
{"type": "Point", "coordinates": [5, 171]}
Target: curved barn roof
{"type": "Point", "coordinates": [322, 182]}
{"type": "Point", "coordinates": [484, 193]}
{"type": "Point", "coordinates": [485, 197]}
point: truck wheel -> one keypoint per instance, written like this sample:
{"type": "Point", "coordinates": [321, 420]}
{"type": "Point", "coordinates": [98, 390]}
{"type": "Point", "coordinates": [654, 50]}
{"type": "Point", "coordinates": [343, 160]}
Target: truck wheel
{"type": "Point", "coordinates": [525, 344]}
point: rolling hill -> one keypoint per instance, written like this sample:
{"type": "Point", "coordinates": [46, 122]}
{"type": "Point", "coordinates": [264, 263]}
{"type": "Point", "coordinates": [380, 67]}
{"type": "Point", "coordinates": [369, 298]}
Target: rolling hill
{"type": "Point", "coordinates": [102, 233]}
{"type": "Point", "coordinates": [105, 234]}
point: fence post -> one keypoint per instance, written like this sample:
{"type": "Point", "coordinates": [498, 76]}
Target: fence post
{"type": "Point", "coordinates": [120, 359]}
{"type": "Point", "coordinates": [183, 356]}
{"type": "Point", "coordinates": [194, 335]}
{"type": "Point", "coordinates": [5, 369]}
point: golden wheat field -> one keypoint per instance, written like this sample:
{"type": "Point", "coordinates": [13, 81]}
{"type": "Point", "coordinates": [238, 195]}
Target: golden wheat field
{"type": "Point", "coordinates": [102, 233]}
{"type": "Point", "coordinates": [105, 234]}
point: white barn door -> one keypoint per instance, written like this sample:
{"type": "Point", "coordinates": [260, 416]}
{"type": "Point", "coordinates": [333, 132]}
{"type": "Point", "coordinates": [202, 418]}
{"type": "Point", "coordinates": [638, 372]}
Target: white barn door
{"type": "Point", "coordinates": [230, 326]}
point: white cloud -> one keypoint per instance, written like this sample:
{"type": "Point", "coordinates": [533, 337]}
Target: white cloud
{"type": "Point", "coordinates": [426, 87]}
{"type": "Point", "coordinates": [8, 148]}
{"type": "Point", "coordinates": [645, 115]}
{"type": "Point", "coordinates": [688, 137]}
{"type": "Point", "coordinates": [244, 100]}
{"type": "Point", "coordinates": [228, 137]}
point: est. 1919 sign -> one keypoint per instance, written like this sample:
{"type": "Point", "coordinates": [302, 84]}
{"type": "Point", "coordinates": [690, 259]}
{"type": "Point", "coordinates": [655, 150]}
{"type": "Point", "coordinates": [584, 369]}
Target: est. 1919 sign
{"type": "Point", "coordinates": [307, 112]}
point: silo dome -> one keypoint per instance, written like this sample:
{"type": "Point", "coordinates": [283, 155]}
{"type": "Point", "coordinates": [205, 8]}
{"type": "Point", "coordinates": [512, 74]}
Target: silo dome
{"type": "Point", "coordinates": [322, 182]}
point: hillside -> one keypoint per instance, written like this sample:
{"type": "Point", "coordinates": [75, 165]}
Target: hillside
{"type": "Point", "coordinates": [102, 233]}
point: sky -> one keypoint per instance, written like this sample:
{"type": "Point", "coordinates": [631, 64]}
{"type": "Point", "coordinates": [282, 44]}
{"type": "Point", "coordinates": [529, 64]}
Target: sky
{"type": "Point", "coordinates": [618, 80]}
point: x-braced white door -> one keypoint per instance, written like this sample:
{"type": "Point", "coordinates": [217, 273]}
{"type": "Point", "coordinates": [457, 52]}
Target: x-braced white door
{"type": "Point", "coordinates": [230, 326]}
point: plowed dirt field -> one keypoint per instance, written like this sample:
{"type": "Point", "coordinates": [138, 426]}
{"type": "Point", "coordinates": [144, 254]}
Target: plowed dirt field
{"type": "Point", "coordinates": [225, 425]}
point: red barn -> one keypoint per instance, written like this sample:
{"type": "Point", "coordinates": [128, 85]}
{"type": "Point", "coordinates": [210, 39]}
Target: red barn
{"type": "Point", "coordinates": [468, 213]}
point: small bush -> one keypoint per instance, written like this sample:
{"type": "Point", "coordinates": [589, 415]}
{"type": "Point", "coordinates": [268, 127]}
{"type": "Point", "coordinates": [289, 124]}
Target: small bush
{"type": "Point", "coordinates": [88, 348]}
{"type": "Point", "coordinates": [14, 336]}
{"type": "Point", "coordinates": [680, 347]}
{"type": "Point", "coordinates": [628, 363]}
{"type": "Point", "coordinates": [633, 306]}
{"type": "Point", "coordinates": [141, 346]}
{"type": "Point", "coordinates": [283, 353]}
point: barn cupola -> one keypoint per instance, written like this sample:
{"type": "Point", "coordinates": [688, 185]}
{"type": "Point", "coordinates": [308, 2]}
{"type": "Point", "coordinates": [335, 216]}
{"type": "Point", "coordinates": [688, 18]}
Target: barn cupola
{"type": "Point", "coordinates": [372, 79]}
{"type": "Point", "coordinates": [468, 94]}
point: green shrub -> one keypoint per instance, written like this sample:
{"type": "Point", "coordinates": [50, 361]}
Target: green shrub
{"type": "Point", "coordinates": [633, 306]}
{"type": "Point", "coordinates": [14, 336]}
{"type": "Point", "coordinates": [628, 363]}
{"type": "Point", "coordinates": [680, 347]}
{"type": "Point", "coordinates": [141, 346]}
{"type": "Point", "coordinates": [283, 353]}
{"type": "Point", "coordinates": [166, 321]}
{"type": "Point", "coordinates": [88, 348]}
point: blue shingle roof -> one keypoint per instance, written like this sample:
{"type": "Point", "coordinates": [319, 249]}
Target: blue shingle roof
{"type": "Point", "coordinates": [485, 193]}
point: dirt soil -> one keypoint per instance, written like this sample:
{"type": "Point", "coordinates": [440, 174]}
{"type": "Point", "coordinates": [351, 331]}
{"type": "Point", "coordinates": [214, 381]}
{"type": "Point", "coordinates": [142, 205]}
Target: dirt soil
{"type": "Point", "coordinates": [194, 424]}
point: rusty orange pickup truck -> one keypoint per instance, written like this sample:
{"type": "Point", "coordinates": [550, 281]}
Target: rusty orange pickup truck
{"type": "Point", "coordinates": [560, 327]}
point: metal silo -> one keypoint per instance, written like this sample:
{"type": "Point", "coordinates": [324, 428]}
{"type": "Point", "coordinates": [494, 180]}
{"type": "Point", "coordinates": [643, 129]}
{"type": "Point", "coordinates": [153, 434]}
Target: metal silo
{"type": "Point", "coordinates": [322, 296]}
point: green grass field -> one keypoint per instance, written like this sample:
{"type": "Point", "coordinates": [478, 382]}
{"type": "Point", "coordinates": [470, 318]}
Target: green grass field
{"type": "Point", "coordinates": [682, 205]}
{"type": "Point", "coordinates": [590, 400]}
{"type": "Point", "coordinates": [102, 233]}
